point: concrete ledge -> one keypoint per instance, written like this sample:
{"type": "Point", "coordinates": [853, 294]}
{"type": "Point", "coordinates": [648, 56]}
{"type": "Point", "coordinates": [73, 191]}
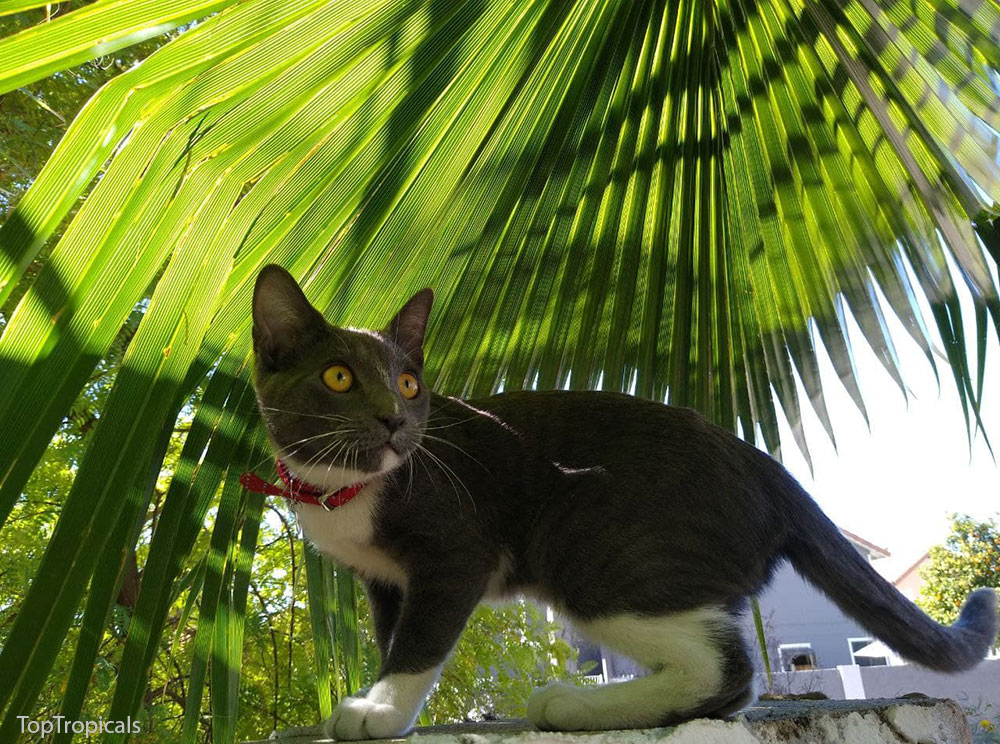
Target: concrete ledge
{"type": "Point", "coordinates": [891, 721]}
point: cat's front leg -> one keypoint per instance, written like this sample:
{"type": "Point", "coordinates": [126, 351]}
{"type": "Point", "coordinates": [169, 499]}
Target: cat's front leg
{"type": "Point", "coordinates": [385, 601]}
{"type": "Point", "coordinates": [434, 612]}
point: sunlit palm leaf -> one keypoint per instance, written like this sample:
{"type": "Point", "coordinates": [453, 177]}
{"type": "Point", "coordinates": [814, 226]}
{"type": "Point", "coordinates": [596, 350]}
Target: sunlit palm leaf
{"type": "Point", "coordinates": [643, 195]}
{"type": "Point", "coordinates": [343, 618]}
{"type": "Point", "coordinates": [209, 449]}
{"type": "Point", "coordinates": [227, 650]}
{"type": "Point", "coordinates": [320, 603]}
{"type": "Point", "coordinates": [333, 612]}
{"type": "Point", "coordinates": [97, 29]}
{"type": "Point", "coordinates": [103, 591]}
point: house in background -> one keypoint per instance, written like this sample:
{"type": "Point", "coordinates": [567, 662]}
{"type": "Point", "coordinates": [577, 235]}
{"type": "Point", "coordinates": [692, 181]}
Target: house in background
{"type": "Point", "coordinates": [910, 582]}
{"type": "Point", "coordinates": [805, 630]}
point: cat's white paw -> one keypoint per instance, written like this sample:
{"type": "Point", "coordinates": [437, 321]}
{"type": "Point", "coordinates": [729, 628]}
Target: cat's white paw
{"type": "Point", "coordinates": [359, 718]}
{"type": "Point", "coordinates": [561, 707]}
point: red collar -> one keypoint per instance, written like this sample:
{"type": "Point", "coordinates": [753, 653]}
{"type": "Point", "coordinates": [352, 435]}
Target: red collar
{"type": "Point", "coordinates": [299, 491]}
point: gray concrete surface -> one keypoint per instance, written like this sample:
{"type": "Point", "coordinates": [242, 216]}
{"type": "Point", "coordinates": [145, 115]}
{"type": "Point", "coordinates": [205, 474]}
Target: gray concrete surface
{"type": "Point", "coordinates": [890, 721]}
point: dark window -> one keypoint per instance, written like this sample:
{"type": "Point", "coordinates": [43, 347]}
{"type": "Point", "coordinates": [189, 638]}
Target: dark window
{"type": "Point", "coordinates": [797, 657]}
{"type": "Point", "coordinates": [588, 659]}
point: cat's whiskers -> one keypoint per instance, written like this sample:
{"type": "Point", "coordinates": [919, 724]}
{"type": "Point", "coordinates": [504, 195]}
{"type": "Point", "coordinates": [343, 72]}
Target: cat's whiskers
{"type": "Point", "coordinates": [431, 420]}
{"type": "Point", "coordinates": [348, 440]}
{"type": "Point", "coordinates": [395, 475]}
{"type": "Point", "coordinates": [305, 440]}
{"type": "Point", "coordinates": [455, 446]}
{"type": "Point", "coordinates": [409, 469]}
{"type": "Point", "coordinates": [336, 457]}
{"type": "Point", "coordinates": [452, 477]}
{"type": "Point", "coordinates": [282, 451]}
{"type": "Point", "coordinates": [315, 459]}
{"type": "Point", "coordinates": [325, 416]}
{"type": "Point", "coordinates": [407, 492]}
{"type": "Point", "coordinates": [338, 436]}
{"type": "Point", "coordinates": [333, 434]}
{"type": "Point", "coordinates": [260, 463]}
{"type": "Point", "coordinates": [349, 458]}
{"type": "Point", "coordinates": [332, 460]}
{"type": "Point", "coordinates": [424, 466]}
{"type": "Point", "coordinates": [354, 460]}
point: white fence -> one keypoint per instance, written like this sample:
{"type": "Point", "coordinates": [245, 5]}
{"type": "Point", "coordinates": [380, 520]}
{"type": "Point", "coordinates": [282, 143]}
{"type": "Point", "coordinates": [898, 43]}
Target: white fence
{"type": "Point", "coordinates": [976, 689]}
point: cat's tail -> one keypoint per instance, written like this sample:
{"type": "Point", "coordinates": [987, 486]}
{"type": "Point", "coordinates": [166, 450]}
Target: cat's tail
{"type": "Point", "coordinates": [826, 559]}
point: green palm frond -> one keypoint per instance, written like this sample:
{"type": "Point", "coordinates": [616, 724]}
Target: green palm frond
{"type": "Point", "coordinates": [684, 199]}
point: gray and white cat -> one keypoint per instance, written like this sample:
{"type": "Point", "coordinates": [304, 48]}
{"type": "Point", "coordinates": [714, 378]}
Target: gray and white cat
{"type": "Point", "coordinates": [644, 524]}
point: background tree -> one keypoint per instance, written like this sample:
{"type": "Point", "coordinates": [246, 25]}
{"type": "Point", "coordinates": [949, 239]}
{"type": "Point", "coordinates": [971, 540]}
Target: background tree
{"type": "Point", "coordinates": [669, 198]}
{"type": "Point", "coordinates": [968, 559]}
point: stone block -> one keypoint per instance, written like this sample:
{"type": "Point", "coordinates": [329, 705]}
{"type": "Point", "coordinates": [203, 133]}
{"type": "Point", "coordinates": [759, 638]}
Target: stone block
{"type": "Point", "coordinates": [890, 721]}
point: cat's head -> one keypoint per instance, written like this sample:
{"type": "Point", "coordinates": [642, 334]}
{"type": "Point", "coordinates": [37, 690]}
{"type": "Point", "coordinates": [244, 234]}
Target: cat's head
{"type": "Point", "coordinates": [340, 404]}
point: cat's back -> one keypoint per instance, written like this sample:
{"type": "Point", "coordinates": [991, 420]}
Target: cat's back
{"type": "Point", "coordinates": [581, 427]}
{"type": "Point", "coordinates": [529, 406]}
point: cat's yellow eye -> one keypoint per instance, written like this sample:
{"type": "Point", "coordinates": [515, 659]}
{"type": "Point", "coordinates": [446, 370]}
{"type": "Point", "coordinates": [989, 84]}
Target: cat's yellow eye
{"type": "Point", "coordinates": [338, 378]}
{"type": "Point", "coordinates": [408, 385]}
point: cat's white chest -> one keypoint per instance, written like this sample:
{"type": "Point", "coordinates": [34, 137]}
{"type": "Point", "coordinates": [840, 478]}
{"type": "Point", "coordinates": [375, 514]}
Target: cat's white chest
{"type": "Point", "coordinates": [345, 535]}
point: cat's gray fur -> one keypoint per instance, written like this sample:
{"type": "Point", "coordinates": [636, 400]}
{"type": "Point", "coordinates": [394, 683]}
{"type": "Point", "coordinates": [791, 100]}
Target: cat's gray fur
{"type": "Point", "coordinates": [609, 507]}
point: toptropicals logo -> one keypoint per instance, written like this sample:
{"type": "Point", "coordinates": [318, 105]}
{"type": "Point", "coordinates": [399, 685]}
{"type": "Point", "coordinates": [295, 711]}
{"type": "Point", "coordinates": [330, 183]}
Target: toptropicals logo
{"type": "Point", "coordinates": [62, 725]}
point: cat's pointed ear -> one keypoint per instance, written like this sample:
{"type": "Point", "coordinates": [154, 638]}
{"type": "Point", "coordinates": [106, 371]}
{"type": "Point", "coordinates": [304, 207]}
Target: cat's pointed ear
{"type": "Point", "coordinates": [282, 316]}
{"type": "Point", "coordinates": [407, 329]}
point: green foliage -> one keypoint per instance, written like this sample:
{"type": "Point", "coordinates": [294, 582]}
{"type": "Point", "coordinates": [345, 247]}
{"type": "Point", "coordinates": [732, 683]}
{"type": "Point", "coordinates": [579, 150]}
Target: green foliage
{"type": "Point", "coordinates": [984, 722]}
{"type": "Point", "coordinates": [504, 653]}
{"type": "Point", "coordinates": [968, 559]}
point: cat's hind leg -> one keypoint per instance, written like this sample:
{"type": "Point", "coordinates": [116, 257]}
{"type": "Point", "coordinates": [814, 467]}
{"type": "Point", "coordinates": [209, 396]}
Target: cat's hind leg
{"type": "Point", "coordinates": [699, 667]}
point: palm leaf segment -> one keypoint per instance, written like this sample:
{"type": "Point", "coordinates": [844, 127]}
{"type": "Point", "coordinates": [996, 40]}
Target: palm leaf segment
{"type": "Point", "coordinates": [634, 194]}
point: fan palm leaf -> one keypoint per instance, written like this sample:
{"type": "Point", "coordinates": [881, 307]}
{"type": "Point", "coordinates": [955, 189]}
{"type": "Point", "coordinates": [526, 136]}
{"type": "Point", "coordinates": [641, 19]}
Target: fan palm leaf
{"type": "Point", "coordinates": [680, 199]}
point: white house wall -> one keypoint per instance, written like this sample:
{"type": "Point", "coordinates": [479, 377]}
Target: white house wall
{"type": "Point", "coordinates": [972, 689]}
